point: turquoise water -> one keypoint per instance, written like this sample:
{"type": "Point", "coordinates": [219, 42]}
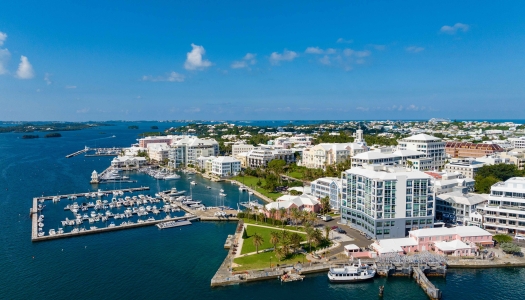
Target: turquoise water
{"type": "Point", "coordinates": [145, 262]}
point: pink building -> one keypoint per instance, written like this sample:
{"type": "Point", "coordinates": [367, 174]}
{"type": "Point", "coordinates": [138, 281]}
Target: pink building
{"type": "Point", "coordinates": [302, 202]}
{"type": "Point", "coordinates": [154, 140]}
{"type": "Point", "coordinates": [456, 241]}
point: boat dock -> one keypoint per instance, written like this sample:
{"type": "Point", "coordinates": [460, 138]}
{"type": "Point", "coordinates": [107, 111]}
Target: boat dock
{"type": "Point", "coordinates": [86, 149]}
{"type": "Point", "coordinates": [128, 190]}
{"type": "Point", "coordinates": [97, 152]}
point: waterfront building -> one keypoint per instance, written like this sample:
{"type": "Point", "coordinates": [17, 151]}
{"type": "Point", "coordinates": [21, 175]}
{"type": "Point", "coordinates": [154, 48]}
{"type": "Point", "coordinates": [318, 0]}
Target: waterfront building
{"type": "Point", "coordinates": [144, 142]}
{"type": "Point", "coordinates": [444, 182]}
{"type": "Point", "coordinates": [465, 149]}
{"type": "Point", "coordinates": [386, 201]}
{"type": "Point", "coordinates": [204, 163]}
{"type": "Point", "coordinates": [185, 151]}
{"type": "Point", "coordinates": [455, 241]}
{"type": "Point", "coordinates": [431, 146]}
{"type": "Point", "coordinates": [303, 202]}
{"type": "Point", "coordinates": [225, 166]}
{"type": "Point", "coordinates": [459, 208]}
{"type": "Point", "coordinates": [328, 187]}
{"type": "Point", "coordinates": [238, 148]}
{"type": "Point", "coordinates": [505, 211]}
{"type": "Point", "coordinates": [261, 156]}
{"type": "Point", "coordinates": [467, 167]}
{"type": "Point", "coordinates": [128, 162]}
{"type": "Point", "coordinates": [158, 151]}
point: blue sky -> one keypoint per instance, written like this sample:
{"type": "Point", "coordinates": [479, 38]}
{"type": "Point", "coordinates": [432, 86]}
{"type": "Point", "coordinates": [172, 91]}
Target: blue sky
{"type": "Point", "coordinates": [131, 60]}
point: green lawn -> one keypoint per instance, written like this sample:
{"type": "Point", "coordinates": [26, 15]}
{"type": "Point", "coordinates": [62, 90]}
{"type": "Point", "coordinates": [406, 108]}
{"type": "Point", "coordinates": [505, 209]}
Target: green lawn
{"type": "Point", "coordinates": [296, 174]}
{"type": "Point", "coordinates": [262, 261]}
{"type": "Point", "coordinates": [251, 182]}
{"type": "Point", "coordinates": [248, 246]}
{"type": "Point", "coordinates": [252, 221]}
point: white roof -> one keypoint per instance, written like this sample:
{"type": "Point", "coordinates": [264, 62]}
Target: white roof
{"type": "Point", "coordinates": [226, 159]}
{"type": "Point", "coordinates": [388, 173]}
{"type": "Point", "coordinates": [421, 137]}
{"type": "Point", "coordinates": [394, 245]}
{"type": "Point", "coordinates": [352, 247]}
{"type": "Point", "coordinates": [374, 155]}
{"type": "Point", "coordinates": [452, 245]}
{"type": "Point", "coordinates": [288, 200]}
{"type": "Point", "coordinates": [460, 198]}
{"type": "Point", "coordinates": [463, 231]}
{"type": "Point", "coordinates": [408, 153]}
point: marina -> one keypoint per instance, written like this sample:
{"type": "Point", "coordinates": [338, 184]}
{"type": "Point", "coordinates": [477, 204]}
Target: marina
{"type": "Point", "coordinates": [92, 152]}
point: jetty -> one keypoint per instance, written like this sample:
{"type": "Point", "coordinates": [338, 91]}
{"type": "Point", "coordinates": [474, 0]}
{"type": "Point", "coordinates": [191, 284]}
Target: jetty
{"type": "Point", "coordinates": [114, 151]}
{"type": "Point", "coordinates": [86, 149]}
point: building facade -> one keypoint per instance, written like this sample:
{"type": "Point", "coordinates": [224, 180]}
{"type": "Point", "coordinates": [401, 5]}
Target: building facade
{"type": "Point", "coordinates": [464, 149]}
{"type": "Point", "coordinates": [328, 187]}
{"type": "Point", "coordinates": [186, 150]}
{"type": "Point", "coordinates": [467, 167]}
{"type": "Point", "coordinates": [241, 148]}
{"type": "Point", "coordinates": [431, 146]}
{"type": "Point", "coordinates": [459, 208]}
{"type": "Point", "coordinates": [505, 211]}
{"type": "Point", "coordinates": [225, 166]}
{"type": "Point", "coordinates": [387, 202]}
{"type": "Point", "coordinates": [261, 156]}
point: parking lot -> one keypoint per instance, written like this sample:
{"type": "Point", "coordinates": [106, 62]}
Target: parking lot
{"type": "Point", "coordinates": [358, 239]}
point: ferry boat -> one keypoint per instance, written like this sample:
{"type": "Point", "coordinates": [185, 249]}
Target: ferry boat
{"type": "Point", "coordinates": [172, 224]}
{"type": "Point", "coordinates": [352, 273]}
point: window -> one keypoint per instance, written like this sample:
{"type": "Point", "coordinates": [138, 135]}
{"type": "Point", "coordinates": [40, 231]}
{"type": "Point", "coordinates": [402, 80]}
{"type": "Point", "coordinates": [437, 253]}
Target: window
{"type": "Point", "coordinates": [408, 222]}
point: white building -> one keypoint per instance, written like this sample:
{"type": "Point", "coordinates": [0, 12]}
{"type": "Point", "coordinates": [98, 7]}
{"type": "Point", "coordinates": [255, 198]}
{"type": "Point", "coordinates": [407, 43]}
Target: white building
{"type": "Point", "coordinates": [432, 146]}
{"type": "Point", "coordinates": [517, 142]}
{"type": "Point", "coordinates": [186, 150]}
{"type": "Point", "coordinates": [444, 182]}
{"type": "Point", "coordinates": [505, 211]}
{"type": "Point", "coordinates": [467, 167]}
{"type": "Point", "coordinates": [385, 201]}
{"type": "Point", "coordinates": [406, 158]}
{"type": "Point", "coordinates": [328, 187]}
{"type": "Point", "coordinates": [158, 151]}
{"type": "Point", "coordinates": [128, 162]}
{"type": "Point", "coordinates": [261, 156]}
{"type": "Point", "coordinates": [202, 162]}
{"type": "Point", "coordinates": [224, 166]}
{"type": "Point", "coordinates": [239, 148]}
{"type": "Point", "coordinates": [460, 208]}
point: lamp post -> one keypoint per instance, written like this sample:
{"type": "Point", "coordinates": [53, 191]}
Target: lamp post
{"type": "Point", "coordinates": [270, 262]}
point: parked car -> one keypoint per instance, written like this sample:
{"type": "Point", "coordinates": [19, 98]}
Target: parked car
{"type": "Point", "coordinates": [340, 230]}
{"type": "Point", "coordinates": [326, 218]}
{"type": "Point", "coordinates": [334, 227]}
{"type": "Point", "coordinates": [317, 256]}
{"type": "Point", "coordinates": [520, 237]}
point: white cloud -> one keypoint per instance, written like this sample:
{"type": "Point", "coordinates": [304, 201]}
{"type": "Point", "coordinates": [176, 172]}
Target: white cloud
{"type": "Point", "coordinates": [343, 41]}
{"type": "Point", "coordinates": [412, 107]}
{"type": "Point", "coordinates": [171, 77]}
{"type": "Point", "coordinates": [194, 60]}
{"type": "Point", "coordinates": [314, 50]}
{"type": "Point", "coordinates": [25, 69]}
{"type": "Point", "coordinates": [317, 50]}
{"type": "Point", "coordinates": [414, 49]}
{"type": "Point", "coordinates": [287, 55]}
{"type": "Point", "coordinates": [3, 37]}
{"type": "Point", "coordinates": [350, 52]}
{"type": "Point", "coordinates": [325, 60]}
{"type": "Point", "coordinates": [248, 59]}
{"type": "Point", "coordinates": [71, 87]}
{"type": "Point", "coordinates": [47, 78]}
{"type": "Point", "coordinates": [455, 28]}
{"type": "Point", "coordinates": [4, 57]}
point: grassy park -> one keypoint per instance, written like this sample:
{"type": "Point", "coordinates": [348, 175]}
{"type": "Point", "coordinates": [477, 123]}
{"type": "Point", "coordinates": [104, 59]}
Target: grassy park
{"type": "Point", "coordinates": [251, 182]}
{"type": "Point", "coordinates": [264, 232]}
{"type": "Point", "coordinates": [262, 260]}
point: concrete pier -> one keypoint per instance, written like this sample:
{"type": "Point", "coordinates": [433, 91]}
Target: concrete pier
{"type": "Point", "coordinates": [427, 286]}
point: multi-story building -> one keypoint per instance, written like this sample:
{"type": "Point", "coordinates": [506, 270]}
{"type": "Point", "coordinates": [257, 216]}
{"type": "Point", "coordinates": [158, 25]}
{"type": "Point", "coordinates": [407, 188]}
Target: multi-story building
{"type": "Point", "coordinates": [505, 211]}
{"type": "Point", "coordinates": [158, 151]}
{"type": "Point", "coordinates": [224, 166]}
{"type": "Point", "coordinates": [144, 142]}
{"type": "Point", "coordinates": [467, 167]}
{"type": "Point", "coordinates": [260, 156]}
{"type": "Point", "coordinates": [328, 187]}
{"type": "Point", "coordinates": [319, 156]}
{"type": "Point", "coordinates": [518, 143]}
{"type": "Point", "coordinates": [406, 158]}
{"type": "Point", "coordinates": [128, 162]}
{"type": "Point", "coordinates": [444, 182]}
{"type": "Point", "coordinates": [460, 208]}
{"type": "Point", "coordinates": [515, 157]}
{"type": "Point", "coordinates": [432, 146]}
{"type": "Point", "coordinates": [385, 201]}
{"type": "Point", "coordinates": [464, 149]}
{"type": "Point", "coordinates": [289, 142]}
{"type": "Point", "coordinates": [238, 148]}
{"type": "Point", "coordinates": [186, 150]}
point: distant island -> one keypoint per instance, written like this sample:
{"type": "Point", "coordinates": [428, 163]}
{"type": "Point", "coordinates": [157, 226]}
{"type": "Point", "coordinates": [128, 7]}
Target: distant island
{"type": "Point", "coordinates": [50, 126]}
{"type": "Point", "coordinates": [133, 127]}
{"type": "Point", "coordinates": [53, 135]}
{"type": "Point", "coordinates": [30, 136]}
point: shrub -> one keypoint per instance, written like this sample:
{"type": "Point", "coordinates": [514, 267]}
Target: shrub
{"type": "Point", "coordinates": [510, 248]}
{"type": "Point", "coordinates": [502, 238]}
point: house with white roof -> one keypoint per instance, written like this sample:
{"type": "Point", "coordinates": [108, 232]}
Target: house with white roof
{"type": "Point", "coordinates": [303, 202]}
{"type": "Point", "coordinates": [460, 208]}
{"type": "Point", "coordinates": [128, 162]}
{"type": "Point", "coordinates": [225, 166]}
{"type": "Point", "coordinates": [431, 146]}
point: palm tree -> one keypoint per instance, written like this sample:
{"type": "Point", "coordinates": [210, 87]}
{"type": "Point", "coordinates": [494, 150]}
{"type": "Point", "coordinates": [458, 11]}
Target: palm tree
{"type": "Point", "coordinates": [257, 241]}
{"type": "Point", "coordinates": [312, 217]}
{"type": "Point", "coordinates": [273, 213]}
{"type": "Point", "coordinates": [295, 240]}
{"type": "Point", "coordinates": [326, 232]}
{"type": "Point", "coordinates": [325, 204]}
{"type": "Point", "coordinates": [282, 214]}
{"type": "Point", "coordinates": [262, 216]}
{"type": "Point", "coordinates": [274, 239]}
{"type": "Point", "coordinates": [285, 241]}
{"type": "Point", "coordinates": [310, 236]}
{"type": "Point", "coordinates": [318, 237]}
{"type": "Point", "coordinates": [294, 212]}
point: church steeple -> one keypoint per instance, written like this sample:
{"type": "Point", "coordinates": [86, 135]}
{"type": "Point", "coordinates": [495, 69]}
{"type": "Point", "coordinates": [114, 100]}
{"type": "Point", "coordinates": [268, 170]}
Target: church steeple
{"type": "Point", "coordinates": [359, 135]}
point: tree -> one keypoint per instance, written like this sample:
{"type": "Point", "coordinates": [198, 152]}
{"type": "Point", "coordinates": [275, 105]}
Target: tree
{"type": "Point", "coordinates": [317, 237]}
{"type": "Point", "coordinates": [486, 176]}
{"type": "Point", "coordinates": [295, 240]}
{"type": "Point", "coordinates": [326, 232]}
{"type": "Point", "coordinates": [285, 241]}
{"type": "Point", "coordinates": [273, 213]}
{"type": "Point", "coordinates": [294, 212]}
{"type": "Point", "coordinates": [325, 205]}
{"type": "Point", "coordinates": [257, 241]}
{"type": "Point", "coordinates": [282, 215]}
{"type": "Point", "coordinates": [310, 233]}
{"type": "Point", "coordinates": [510, 248]}
{"type": "Point", "coordinates": [274, 239]}
{"type": "Point", "coordinates": [502, 238]}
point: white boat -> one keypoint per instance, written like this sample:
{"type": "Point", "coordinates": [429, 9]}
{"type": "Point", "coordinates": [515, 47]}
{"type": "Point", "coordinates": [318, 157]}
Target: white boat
{"type": "Point", "coordinates": [351, 273]}
{"type": "Point", "coordinates": [111, 225]}
{"type": "Point", "coordinates": [208, 187]}
{"type": "Point", "coordinates": [193, 183]}
{"type": "Point", "coordinates": [172, 224]}
{"type": "Point", "coordinates": [222, 191]}
{"type": "Point", "coordinates": [171, 177]}
{"type": "Point", "coordinates": [222, 194]}
{"type": "Point", "coordinates": [243, 188]}
{"type": "Point", "coordinates": [52, 232]}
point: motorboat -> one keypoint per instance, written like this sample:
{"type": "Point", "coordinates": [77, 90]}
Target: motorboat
{"type": "Point", "coordinates": [208, 187]}
{"type": "Point", "coordinates": [193, 183]}
{"type": "Point", "coordinates": [243, 188]}
{"type": "Point", "coordinates": [222, 194]}
{"type": "Point", "coordinates": [52, 232]}
{"type": "Point", "coordinates": [351, 273]}
{"type": "Point", "coordinates": [171, 177]}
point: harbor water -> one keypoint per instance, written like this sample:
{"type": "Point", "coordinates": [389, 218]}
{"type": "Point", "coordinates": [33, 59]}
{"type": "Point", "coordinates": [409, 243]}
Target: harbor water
{"type": "Point", "coordinates": [145, 262]}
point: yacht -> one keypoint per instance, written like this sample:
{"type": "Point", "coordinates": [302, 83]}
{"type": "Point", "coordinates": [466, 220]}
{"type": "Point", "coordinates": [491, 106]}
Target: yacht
{"type": "Point", "coordinates": [171, 177]}
{"type": "Point", "coordinates": [193, 183]}
{"type": "Point", "coordinates": [52, 232]}
{"type": "Point", "coordinates": [243, 188]}
{"type": "Point", "coordinates": [222, 194]}
{"type": "Point", "coordinates": [208, 187]}
{"type": "Point", "coordinates": [351, 273]}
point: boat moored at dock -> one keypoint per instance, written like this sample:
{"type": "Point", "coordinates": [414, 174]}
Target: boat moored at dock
{"type": "Point", "coordinates": [172, 224]}
{"type": "Point", "coordinates": [351, 273]}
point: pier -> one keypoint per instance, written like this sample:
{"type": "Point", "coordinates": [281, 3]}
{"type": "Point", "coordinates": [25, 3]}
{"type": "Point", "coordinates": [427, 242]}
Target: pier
{"type": "Point", "coordinates": [97, 152]}
{"type": "Point", "coordinates": [78, 152]}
